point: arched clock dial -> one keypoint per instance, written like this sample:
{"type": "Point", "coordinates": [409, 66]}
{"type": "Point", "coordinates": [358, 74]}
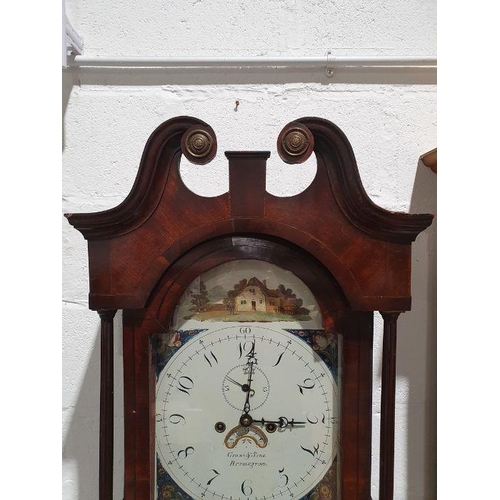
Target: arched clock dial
{"type": "Point", "coordinates": [246, 412]}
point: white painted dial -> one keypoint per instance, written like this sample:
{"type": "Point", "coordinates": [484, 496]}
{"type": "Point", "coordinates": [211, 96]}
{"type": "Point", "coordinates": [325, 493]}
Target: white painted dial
{"type": "Point", "coordinates": [246, 412]}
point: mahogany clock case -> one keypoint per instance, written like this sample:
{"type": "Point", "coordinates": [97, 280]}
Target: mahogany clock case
{"type": "Point", "coordinates": [355, 328]}
{"type": "Point", "coordinates": [353, 255]}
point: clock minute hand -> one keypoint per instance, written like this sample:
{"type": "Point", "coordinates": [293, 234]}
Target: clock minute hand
{"type": "Point", "coordinates": [246, 408]}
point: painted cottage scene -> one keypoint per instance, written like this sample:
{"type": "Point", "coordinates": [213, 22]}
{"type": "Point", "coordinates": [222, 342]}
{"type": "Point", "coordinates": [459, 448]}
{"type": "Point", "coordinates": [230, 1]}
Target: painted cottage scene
{"type": "Point", "coordinates": [253, 295]}
{"type": "Point", "coordinates": [264, 294]}
{"type": "Point", "coordinates": [250, 300]}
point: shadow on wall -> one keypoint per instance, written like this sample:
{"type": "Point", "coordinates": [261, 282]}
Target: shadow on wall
{"type": "Point", "coordinates": [416, 356]}
{"type": "Point", "coordinates": [68, 81]}
{"type": "Point", "coordinates": [82, 437]}
{"type": "Point", "coordinates": [81, 443]}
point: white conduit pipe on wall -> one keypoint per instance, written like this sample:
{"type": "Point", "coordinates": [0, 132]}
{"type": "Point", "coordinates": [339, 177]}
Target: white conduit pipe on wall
{"type": "Point", "coordinates": [327, 62]}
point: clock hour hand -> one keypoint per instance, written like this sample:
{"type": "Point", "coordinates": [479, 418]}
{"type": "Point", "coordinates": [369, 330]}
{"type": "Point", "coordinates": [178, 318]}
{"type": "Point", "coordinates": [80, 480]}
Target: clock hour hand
{"type": "Point", "coordinates": [282, 422]}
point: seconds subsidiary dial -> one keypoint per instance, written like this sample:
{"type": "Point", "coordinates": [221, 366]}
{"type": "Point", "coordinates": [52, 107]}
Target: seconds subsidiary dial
{"type": "Point", "coordinates": [246, 412]}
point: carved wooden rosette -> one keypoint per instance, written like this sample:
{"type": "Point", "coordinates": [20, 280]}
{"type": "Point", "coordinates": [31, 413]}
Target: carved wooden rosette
{"type": "Point", "coordinates": [353, 255]}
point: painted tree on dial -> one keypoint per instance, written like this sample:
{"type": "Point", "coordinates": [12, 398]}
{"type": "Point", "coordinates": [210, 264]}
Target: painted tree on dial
{"type": "Point", "coordinates": [200, 300]}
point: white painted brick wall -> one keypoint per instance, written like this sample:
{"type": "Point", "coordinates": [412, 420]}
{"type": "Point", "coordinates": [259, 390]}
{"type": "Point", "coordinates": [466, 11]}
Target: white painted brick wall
{"type": "Point", "coordinates": [109, 114]}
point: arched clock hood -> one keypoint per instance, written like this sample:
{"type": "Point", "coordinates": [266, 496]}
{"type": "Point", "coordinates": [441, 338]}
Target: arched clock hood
{"type": "Point", "coordinates": [366, 248]}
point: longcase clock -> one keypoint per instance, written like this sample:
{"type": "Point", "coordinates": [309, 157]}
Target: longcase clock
{"type": "Point", "coordinates": [248, 323]}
